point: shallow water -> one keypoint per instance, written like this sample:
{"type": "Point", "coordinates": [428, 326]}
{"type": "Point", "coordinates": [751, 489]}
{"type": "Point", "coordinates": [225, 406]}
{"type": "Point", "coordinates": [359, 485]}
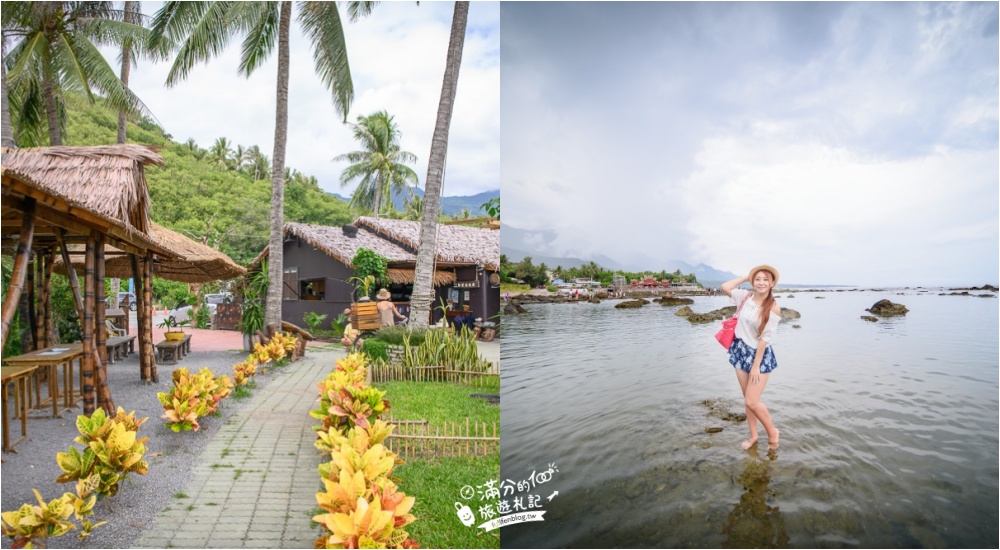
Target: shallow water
{"type": "Point", "coordinates": [889, 430]}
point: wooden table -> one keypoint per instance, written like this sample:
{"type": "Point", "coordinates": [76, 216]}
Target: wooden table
{"type": "Point", "coordinates": [20, 376]}
{"type": "Point", "coordinates": [51, 358]}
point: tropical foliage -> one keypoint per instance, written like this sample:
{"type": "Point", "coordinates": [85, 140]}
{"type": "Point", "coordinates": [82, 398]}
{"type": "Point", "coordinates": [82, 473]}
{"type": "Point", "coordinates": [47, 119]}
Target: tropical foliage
{"type": "Point", "coordinates": [192, 397]}
{"type": "Point", "coordinates": [56, 51]}
{"type": "Point", "coordinates": [112, 451]}
{"type": "Point", "coordinates": [363, 507]}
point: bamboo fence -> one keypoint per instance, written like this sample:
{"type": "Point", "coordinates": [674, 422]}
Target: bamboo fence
{"type": "Point", "coordinates": [399, 373]}
{"type": "Point", "coordinates": [416, 438]}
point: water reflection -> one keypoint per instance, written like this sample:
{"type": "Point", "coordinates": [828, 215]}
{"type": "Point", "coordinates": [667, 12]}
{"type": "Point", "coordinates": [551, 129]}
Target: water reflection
{"type": "Point", "coordinates": [754, 523]}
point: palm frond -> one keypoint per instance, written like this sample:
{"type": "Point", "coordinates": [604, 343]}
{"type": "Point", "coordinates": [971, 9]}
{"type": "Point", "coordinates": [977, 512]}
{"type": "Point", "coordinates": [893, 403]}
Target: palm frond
{"type": "Point", "coordinates": [321, 23]}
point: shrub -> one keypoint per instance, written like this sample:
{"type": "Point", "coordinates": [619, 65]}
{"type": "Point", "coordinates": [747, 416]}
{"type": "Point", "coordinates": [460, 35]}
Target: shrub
{"type": "Point", "coordinates": [192, 397]}
{"type": "Point", "coordinates": [375, 349]}
{"type": "Point", "coordinates": [399, 334]}
{"type": "Point", "coordinates": [314, 320]}
{"type": "Point", "coordinates": [113, 451]}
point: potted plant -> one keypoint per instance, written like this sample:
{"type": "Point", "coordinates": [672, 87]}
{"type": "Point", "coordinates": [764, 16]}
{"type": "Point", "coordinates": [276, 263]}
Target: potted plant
{"type": "Point", "coordinates": [173, 326]}
{"type": "Point", "coordinates": [363, 287]}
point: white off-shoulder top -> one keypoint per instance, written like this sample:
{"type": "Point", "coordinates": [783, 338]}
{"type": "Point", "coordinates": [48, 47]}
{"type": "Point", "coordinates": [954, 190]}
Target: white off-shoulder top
{"type": "Point", "coordinates": [749, 323]}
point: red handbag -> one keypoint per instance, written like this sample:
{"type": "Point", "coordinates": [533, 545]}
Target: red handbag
{"type": "Point", "coordinates": [726, 335]}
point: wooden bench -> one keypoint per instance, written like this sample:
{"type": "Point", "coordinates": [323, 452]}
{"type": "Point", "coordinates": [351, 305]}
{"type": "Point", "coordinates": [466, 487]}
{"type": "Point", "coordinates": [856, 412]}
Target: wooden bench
{"type": "Point", "coordinates": [119, 347]}
{"type": "Point", "coordinates": [172, 351]}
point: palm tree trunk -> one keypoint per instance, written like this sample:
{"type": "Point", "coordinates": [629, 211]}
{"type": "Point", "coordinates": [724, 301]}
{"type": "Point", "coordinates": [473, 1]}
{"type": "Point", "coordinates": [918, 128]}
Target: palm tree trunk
{"type": "Point", "coordinates": [51, 111]}
{"type": "Point", "coordinates": [272, 314]}
{"type": "Point", "coordinates": [423, 287]}
{"type": "Point", "coordinates": [7, 130]}
{"type": "Point", "coordinates": [130, 17]}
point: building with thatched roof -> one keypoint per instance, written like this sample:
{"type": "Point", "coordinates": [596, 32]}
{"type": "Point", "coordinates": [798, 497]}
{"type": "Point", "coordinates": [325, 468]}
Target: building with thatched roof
{"type": "Point", "coordinates": [317, 266]}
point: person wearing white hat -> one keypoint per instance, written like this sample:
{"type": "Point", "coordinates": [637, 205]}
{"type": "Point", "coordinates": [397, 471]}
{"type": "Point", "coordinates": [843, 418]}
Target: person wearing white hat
{"type": "Point", "coordinates": [751, 354]}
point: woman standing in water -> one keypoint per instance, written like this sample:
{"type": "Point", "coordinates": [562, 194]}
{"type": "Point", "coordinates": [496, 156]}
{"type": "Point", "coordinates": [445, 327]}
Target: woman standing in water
{"type": "Point", "coordinates": [751, 352]}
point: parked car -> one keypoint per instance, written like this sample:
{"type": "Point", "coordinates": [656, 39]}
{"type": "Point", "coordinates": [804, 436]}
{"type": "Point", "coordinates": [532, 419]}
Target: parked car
{"type": "Point", "coordinates": [213, 300]}
{"type": "Point", "coordinates": [125, 300]}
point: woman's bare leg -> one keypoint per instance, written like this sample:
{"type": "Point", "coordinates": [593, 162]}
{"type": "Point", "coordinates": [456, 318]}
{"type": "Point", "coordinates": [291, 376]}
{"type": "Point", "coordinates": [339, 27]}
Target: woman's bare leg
{"type": "Point", "coordinates": [753, 403]}
{"type": "Point", "coordinates": [751, 417]}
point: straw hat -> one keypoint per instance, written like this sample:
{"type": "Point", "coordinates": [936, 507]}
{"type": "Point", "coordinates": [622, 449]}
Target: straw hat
{"type": "Point", "coordinates": [765, 267]}
{"type": "Point", "coordinates": [383, 294]}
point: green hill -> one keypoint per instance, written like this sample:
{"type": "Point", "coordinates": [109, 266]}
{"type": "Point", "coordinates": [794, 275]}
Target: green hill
{"type": "Point", "coordinates": [222, 206]}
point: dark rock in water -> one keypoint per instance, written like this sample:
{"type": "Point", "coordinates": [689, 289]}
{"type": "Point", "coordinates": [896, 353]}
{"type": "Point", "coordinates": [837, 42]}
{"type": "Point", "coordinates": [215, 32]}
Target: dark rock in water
{"type": "Point", "coordinates": [593, 301]}
{"type": "Point", "coordinates": [870, 318]}
{"type": "Point", "coordinates": [796, 326]}
{"type": "Point", "coordinates": [683, 312]}
{"type": "Point", "coordinates": [513, 308]}
{"type": "Point", "coordinates": [820, 297]}
{"type": "Point", "coordinates": [631, 304]}
{"type": "Point", "coordinates": [885, 308]}
{"type": "Point", "coordinates": [716, 315]}
{"type": "Point", "coordinates": [788, 314]}
{"type": "Point", "coordinates": [790, 296]}
{"type": "Point", "coordinates": [713, 430]}
{"type": "Point", "coordinates": [720, 408]}
{"type": "Point", "coordinates": [672, 301]}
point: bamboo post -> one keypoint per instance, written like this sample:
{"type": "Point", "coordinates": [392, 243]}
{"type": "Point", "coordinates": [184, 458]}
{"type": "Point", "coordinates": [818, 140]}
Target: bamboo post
{"type": "Point", "coordinates": [147, 290]}
{"type": "Point", "coordinates": [74, 282]}
{"type": "Point", "coordinates": [140, 314]}
{"type": "Point", "coordinates": [89, 306]}
{"type": "Point", "coordinates": [50, 258]}
{"type": "Point", "coordinates": [32, 329]}
{"type": "Point", "coordinates": [18, 273]}
{"type": "Point", "coordinates": [104, 399]}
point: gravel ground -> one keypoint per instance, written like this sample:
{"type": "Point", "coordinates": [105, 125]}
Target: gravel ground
{"type": "Point", "coordinates": [170, 455]}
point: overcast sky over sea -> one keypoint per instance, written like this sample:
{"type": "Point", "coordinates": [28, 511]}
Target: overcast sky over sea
{"type": "Point", "coordinates": [397, 57]}
{"type": "Point", "coordinates": [845, 143]}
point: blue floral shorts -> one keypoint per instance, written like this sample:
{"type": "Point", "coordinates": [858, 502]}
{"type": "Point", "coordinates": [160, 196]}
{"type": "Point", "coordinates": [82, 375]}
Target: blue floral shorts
{"type": "Point", "coordinates": [741, 356]}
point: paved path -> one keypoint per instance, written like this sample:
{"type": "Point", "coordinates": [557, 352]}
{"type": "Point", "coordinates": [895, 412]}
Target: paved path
{"type": "Point", "coordinates": [255, 484]}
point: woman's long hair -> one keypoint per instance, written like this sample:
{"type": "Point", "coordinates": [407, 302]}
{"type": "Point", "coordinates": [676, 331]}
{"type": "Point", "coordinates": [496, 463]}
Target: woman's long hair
{"type": "Point", "coordinates": [765, 308]}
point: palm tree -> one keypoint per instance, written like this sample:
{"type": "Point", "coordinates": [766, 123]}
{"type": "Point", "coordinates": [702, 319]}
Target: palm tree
{"type": "Point", "coordinates": [204, 29]}
{"type": "Point", "coordinates": [423, 289]}
{"type": "Point", "coordinates": [56, 51]}
{"type": "Point", "coordinates": [380, 165]}
{"type": "Point", "coordinates": [221, 153]}
{"type": "Point", "coordinates": [413, 208]}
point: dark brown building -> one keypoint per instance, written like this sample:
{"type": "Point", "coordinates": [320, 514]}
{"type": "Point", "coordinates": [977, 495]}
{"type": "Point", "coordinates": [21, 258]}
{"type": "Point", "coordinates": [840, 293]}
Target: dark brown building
{"type": "Point", "coordinates": [317, 266]}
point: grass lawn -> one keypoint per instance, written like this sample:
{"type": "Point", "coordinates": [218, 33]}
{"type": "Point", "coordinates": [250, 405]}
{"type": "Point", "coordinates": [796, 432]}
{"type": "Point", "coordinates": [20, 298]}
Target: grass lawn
{"type": "Point", "coordinates": [437, 482]}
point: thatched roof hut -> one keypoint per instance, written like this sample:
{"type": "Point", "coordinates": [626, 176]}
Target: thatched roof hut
{"type": "Point", "coordinates": [398, 241]}
{"type": "Point", "coordinates": [193, 262]}
{"type": "Point", "coordinates": [455, 244]}
{"type": "Point", "coordinates": [106, 181]}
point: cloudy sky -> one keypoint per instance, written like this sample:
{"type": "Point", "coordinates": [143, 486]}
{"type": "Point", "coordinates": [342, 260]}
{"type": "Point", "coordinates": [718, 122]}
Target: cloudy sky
{"type": "Point", "coordinates": [397, 58]}
{"type": "Point", "coordinates": [845, 143]}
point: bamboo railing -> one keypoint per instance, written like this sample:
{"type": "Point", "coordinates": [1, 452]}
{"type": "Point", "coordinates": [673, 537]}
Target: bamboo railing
{"type": "Point", "coordinates": [416, 438]}
{"type": "Point", "coordinates": [391, 373]}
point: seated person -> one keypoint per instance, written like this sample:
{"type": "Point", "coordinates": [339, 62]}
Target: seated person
{"type": "Point", "coordinates": [350, 333]}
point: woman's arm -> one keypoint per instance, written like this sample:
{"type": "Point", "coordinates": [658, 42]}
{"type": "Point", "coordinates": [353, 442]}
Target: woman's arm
{"type": "Point", "coordinates": [728, 286]}
{"type": "Point", "coordinates": [757, 358]}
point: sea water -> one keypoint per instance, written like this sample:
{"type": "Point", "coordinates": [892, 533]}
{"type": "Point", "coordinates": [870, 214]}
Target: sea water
{"type": "Point", "coordinates": [889, 430]}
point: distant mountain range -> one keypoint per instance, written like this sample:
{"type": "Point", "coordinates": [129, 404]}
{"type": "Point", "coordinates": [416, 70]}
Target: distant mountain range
{"type": "Point", "coordinates": [517, 244]}
{"type": "Point", "coordinates": [449, 205]}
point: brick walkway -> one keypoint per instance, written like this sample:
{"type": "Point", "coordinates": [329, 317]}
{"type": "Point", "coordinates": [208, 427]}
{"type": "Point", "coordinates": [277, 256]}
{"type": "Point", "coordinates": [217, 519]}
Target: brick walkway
{"type": "Point", "coordinates": [255, 484]}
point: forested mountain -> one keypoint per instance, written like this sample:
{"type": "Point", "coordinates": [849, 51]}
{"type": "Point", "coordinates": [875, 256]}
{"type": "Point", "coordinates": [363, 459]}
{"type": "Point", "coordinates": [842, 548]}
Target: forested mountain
{"type": "Point", "coordinates": [211, 196]}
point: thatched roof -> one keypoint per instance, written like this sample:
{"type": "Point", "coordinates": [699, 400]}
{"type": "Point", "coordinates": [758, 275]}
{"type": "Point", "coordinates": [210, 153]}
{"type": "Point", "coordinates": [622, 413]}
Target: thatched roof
{"type": "Point", "coordinates": [407, 276]}
{"type": "Point", "coordinates": [455, 244]}
{"type": "Point", "coordinates": [394, 247]}
{"type": "Point", "coordinates": [105, 180]}
{"type": "Point", "coordinates": [195, 262]}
